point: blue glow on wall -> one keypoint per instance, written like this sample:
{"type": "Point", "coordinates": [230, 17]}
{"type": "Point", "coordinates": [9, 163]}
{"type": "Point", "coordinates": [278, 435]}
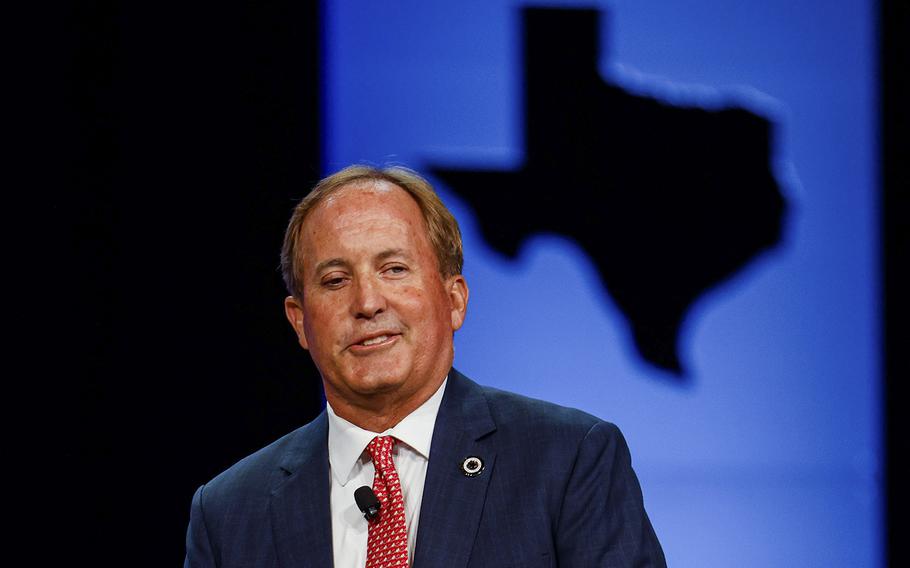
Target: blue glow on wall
{"type": "Point", "coordinates": [769, 455]}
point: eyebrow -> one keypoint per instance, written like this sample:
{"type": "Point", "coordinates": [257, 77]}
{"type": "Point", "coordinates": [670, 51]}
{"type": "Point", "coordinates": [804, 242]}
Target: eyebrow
{"type": "Point", "coordinates": [329, 263]}
{"type": "Point", "coordinates": [389, 253]}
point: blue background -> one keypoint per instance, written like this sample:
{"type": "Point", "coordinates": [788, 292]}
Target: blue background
{"type": "Point", "coordinates": [770, 454]}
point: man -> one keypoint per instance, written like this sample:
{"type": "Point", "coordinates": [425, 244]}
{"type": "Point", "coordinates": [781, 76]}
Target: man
{"type": "Point", "coordinates": [464, 475]}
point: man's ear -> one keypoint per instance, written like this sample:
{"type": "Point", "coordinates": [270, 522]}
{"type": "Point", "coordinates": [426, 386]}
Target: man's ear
{"type": "Point", "coordinates": [457, 290]}
{"type": "Point", "coordinates": [294, 312]}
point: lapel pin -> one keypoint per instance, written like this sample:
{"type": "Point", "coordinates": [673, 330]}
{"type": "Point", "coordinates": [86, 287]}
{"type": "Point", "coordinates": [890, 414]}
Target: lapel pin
{"type": "Point", "coordinates": [472, 466]}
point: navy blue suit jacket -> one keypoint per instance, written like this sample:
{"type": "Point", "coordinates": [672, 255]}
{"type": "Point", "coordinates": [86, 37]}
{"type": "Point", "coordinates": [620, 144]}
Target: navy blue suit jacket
{"type": "Point", "coordinates": [557, 489]}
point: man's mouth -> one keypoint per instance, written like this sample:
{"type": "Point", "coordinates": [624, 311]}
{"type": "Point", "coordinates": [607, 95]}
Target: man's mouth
{"type": "Point", "coordinates": [388, 337]}
{"type": "Point", "coordinates": [374, 340]}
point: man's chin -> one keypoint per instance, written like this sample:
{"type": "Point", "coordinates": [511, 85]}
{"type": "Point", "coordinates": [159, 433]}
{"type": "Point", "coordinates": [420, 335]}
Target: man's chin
{"type": "Point", "coordinates": [380, 384]}
{"type": "Point", "coordinates": [371, 382]}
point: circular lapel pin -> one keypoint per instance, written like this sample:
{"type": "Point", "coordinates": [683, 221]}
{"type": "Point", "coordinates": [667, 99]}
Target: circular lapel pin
{"type": "Point", "coordinates": [472, 466]}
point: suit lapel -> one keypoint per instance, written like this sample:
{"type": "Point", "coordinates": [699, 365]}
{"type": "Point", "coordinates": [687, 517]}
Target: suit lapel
{"type": "Point", "coordinates": [299, 503]}
{"type": "Point", "coordinates": [453, 502]}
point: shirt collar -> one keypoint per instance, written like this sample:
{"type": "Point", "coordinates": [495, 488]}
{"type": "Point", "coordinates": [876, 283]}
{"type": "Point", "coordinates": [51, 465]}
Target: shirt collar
{"type": "Point", "coordinates": [348, 441]}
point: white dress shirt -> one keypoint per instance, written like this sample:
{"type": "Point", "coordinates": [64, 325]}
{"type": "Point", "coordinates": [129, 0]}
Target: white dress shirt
{"type": "Point", "coordinates": [351, 467]}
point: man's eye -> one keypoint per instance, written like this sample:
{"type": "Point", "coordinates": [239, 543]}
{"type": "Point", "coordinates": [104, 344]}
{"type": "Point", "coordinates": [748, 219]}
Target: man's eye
{"type": "Point", "coordinates": [333, 282]}
{"type": "Point", "coordinates": [396, 270]}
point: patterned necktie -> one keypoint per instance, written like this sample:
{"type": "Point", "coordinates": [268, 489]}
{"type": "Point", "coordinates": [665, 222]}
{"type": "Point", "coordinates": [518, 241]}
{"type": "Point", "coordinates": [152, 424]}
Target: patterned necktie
{"type": "Point", "coordinates": [387, 543]}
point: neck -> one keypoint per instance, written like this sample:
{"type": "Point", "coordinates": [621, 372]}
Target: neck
{"type": "Point", "coordinates": [378, 412]}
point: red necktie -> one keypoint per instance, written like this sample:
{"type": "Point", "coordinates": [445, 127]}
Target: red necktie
{"type": "Point", "coordinates": [387, 543]}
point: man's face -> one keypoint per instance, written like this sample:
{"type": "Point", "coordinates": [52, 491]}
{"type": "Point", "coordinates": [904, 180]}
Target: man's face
{"type": "Point", "coordinates": [376, 314]}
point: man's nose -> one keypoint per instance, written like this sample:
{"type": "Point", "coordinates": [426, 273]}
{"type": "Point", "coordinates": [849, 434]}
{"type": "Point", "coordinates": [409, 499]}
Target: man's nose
{"type": "Point", "coordinates": [369, 299]}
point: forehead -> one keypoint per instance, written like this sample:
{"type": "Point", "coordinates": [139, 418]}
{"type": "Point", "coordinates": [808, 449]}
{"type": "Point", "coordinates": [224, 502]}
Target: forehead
{"type": "Point", "coordinates": [366, 195]}
{"type": "Point", "coordinates": [363, 214]}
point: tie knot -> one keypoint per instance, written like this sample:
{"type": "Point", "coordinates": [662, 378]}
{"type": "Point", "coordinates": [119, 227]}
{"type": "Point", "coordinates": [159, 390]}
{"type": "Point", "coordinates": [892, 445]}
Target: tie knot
{"type": "Point", "coordinates": [380, 449]}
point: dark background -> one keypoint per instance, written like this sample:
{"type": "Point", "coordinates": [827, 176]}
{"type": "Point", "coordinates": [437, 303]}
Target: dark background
{"type": "Point", "coordinates": [186, 134]}
{"type": "Point", "coordinates": [193, 131]}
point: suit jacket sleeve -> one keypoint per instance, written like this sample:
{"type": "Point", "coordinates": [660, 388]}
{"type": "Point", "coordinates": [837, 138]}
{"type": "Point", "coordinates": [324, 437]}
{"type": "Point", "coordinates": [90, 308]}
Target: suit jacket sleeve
{"type": "Point", "coordinates": [603, 521]}
{"type": "Point", "coordinates": [198, 546]}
